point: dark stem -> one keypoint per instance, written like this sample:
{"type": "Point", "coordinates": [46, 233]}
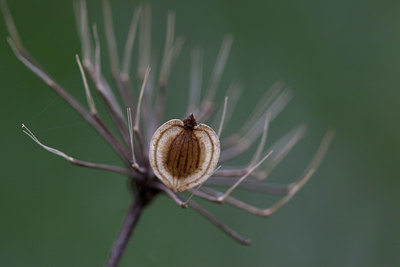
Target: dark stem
{"type": "Point", "coordinates": [129, 224]}
{"type": "Point", "coordinates": [219, 224]}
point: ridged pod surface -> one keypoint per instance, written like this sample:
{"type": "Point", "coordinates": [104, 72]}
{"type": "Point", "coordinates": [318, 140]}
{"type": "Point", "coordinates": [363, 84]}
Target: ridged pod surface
{"type": "Point", "coordinates": [184, 154]}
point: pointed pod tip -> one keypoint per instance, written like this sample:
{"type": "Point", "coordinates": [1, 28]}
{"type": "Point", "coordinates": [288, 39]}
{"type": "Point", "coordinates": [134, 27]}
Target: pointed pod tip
{"type": "Point", "coordinates": [190, 122]}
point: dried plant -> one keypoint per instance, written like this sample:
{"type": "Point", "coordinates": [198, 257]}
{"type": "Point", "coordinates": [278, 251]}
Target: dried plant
{"type": "Point", "coordinates": [147, 107]}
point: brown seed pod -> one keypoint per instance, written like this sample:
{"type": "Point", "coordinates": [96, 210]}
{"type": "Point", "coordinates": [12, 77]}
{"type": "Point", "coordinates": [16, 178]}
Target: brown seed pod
{"type": "Point", "coordinates": [184, 154]}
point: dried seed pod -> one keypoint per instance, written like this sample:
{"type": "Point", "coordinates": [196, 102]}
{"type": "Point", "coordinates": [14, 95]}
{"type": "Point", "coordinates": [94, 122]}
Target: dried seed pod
{"type": "Point", "coordinates": [184, 154]}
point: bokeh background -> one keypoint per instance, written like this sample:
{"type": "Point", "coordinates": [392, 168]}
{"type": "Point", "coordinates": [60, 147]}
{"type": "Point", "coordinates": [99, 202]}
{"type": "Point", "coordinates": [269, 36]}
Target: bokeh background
{"type": "Point", "coordinates": [341, 59]}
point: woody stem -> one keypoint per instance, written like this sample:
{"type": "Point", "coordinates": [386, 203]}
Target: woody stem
{"type": "Point", "coordinates": [129, 224]}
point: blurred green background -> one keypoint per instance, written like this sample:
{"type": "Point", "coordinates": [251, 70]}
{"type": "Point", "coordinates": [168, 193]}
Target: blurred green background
{"type": "Point", "coordinates": [342, 60]}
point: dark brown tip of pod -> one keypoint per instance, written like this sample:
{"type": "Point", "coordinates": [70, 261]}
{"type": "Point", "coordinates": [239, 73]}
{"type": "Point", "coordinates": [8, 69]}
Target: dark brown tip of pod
{"type": "Point", "coordinates": [190, 122]}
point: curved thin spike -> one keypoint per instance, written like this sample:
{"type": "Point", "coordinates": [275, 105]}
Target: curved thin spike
{"type": "Point", "coordinates": [76, 161]}
{"type": "Point", "coordinates": [221, 124]}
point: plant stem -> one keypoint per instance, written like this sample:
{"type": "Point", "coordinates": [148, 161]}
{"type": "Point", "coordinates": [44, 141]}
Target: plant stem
{"type": "Point", "coordinates": [129, 224]}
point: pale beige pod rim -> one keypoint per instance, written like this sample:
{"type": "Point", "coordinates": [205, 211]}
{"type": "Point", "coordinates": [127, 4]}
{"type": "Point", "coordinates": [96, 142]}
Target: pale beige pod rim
{"type": "Point", "coordinates": [159, 142]}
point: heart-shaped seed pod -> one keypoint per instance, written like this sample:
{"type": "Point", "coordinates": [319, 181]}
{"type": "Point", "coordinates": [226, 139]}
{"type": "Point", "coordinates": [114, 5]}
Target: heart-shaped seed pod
{"type": "Point", "coordinates": [184, 154]}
